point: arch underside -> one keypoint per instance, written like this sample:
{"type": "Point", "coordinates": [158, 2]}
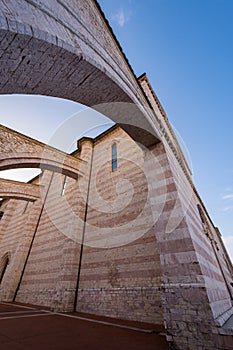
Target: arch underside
{"type": "Point", "coordinates": [19, 190]}
{"type": "Point", "coordinates": [32, 65]}
{"type": "Point", "coordinates": [33, 161]}
{"type": "Point", "coordinates": [20, 151]}
{"type": "Point", "coordinates": [71, 60]}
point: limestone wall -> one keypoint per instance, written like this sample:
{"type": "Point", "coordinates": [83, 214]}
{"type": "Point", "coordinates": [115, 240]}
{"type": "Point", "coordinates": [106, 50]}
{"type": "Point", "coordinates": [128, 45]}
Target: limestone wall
{"type": "Point", "coordinates": [120, 272]}
{"type": "Point", "coordinates": [129, 243]}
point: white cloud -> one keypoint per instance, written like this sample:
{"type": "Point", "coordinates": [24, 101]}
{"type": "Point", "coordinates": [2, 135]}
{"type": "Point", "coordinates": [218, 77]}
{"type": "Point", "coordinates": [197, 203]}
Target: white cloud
{"type": "Point", "coordinates": [228, 196]}
{"type": "Point", "coordinates": [121, 17]}
{"type": "Point", "coordinates": [227, 208]}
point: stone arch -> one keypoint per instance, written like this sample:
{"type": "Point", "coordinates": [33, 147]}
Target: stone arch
{"type": "Point", "coordinates": [4, 262]}
{"type": "Point", "coordinates": [67, 50]}
{"type": "Point", "coordinates": [20, 151]}
{"type": "Point", "coordinates": [19, 190]}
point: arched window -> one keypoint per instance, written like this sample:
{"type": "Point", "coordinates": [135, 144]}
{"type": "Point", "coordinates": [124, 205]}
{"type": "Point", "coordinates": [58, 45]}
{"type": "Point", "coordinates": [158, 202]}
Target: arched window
{"type": "Point", "coordinates": [3, 265]}
{"type": "Point", "coordinates": [114, 156]}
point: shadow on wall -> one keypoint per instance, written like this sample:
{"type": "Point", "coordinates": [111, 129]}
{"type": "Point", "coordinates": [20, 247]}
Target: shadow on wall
{"type": "Point", "coordinates": [4, 262]}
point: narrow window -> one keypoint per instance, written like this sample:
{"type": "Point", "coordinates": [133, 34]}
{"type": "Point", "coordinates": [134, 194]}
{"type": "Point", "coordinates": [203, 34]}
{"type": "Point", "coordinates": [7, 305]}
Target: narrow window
{"type": "Point", "coordinates": [1, 214]}
{"type": "Point", "coordinates": [64, 186]}
{"type": "Point", "coordinates": [203, 220]}
{"type": "Point", "coordinates": [201, 214]}
{"type": "Point", "coordinates": [114, 157]}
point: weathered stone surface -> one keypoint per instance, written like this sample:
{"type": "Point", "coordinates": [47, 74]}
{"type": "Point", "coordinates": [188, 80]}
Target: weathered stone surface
{"type": "Point", "coordinates": [140, 259]}
{"type": "Point", "coordinates": [130, 243]}
{"type": "Point", "coordinates": [19, 190]}
{"type": "Point", "coordinates": [20, 151]}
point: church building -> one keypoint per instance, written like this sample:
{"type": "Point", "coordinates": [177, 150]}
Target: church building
{"type": "Point", "coordinates": [128, 237]}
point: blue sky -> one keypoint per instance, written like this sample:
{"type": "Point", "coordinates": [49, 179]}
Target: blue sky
{"type": "Point", "coordinates": [185, 47]}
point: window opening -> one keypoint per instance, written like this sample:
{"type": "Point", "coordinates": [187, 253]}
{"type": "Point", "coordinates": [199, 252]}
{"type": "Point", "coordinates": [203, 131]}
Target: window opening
{"type": "Point", "coordinates": [64, 186]}
{"type": "Point", "coordinates": [114, 157]}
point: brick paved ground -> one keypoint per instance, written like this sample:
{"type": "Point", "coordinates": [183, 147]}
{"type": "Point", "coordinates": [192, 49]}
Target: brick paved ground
{"type": "Point", "coordinates": [24, 327]}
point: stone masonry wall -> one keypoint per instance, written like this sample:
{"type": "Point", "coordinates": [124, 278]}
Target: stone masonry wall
{"type": "Point", "coordinates": [17, 228]}
{"type": "Point", "coordinates": [50, 259]}
{"type": "Point", "coordinates": [120, 271]}
{"type": "Point", "coordinates": [51, 273]}
{"type": "Point", "coordinates": [198, 284]}
{"type": "Point", "coordinates": [128, 243]}
{"type": "Point", "coordinates": [196, 269]}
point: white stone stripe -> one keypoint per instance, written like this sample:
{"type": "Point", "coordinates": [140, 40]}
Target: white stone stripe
{"type": "Point", "coordinates": [19, 306]}
{"type": "Point", "coordinates": [49, 313]}
{"type": "Point", "coordinates": [24, 316]}
{"type": "Point", "coordinates": [195, 225]}
{"type": "Point", "coordinates": [178, 258]}
{"type": "Point", "coordinates": [16, 312]}
{"type": "Point", "coordinates": [197, 285]}
{"type": "Point", "coordinates": [213, 284]}
{"type": "Point", "coordinates": [106, 323]}
{"type": "Point", "coordinates": [208, 264]}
